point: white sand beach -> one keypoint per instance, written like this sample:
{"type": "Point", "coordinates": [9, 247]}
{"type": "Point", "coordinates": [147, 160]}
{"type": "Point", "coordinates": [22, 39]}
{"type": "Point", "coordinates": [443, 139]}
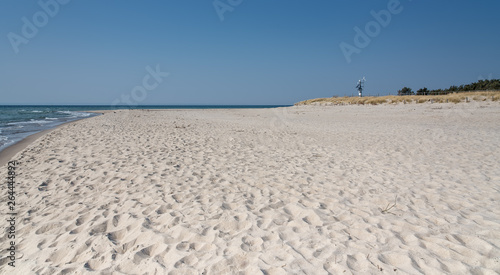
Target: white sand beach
{"type": "Point", "coordinates": [386, 189]}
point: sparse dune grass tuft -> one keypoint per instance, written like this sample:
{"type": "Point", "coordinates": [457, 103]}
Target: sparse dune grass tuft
{"type": "Point", "coordinates": [455, 99]}
{"type": "Point", "coordinates": [375, 100]}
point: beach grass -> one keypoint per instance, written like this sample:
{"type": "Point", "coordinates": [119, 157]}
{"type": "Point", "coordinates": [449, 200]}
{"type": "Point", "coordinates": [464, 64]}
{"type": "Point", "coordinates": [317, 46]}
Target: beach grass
{"type": "Point", "coordinates": [393, 99]}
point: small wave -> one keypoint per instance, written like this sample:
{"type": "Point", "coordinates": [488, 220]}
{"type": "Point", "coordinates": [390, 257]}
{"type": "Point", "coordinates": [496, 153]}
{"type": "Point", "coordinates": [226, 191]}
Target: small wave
{"type": "Point", "coordinates": [36, 111]}
{"type": "Point", "coordinates": [51, 118]}
{"type": "Point", "coordinates": [32, 121]}
{"type": "Point", "coordinates": [75, 114]}
{"type": "Point", "coordinates": [4, 143]}
{"type": "Point", "coordinates": [11, 126]}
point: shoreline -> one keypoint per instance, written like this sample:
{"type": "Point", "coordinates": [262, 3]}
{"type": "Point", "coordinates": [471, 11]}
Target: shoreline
{"type": "Point", "coordinates": [10, 151]}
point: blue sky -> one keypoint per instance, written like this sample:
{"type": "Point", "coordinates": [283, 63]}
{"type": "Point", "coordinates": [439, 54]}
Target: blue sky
{"type": "Point", "coordinates": [261, 52]}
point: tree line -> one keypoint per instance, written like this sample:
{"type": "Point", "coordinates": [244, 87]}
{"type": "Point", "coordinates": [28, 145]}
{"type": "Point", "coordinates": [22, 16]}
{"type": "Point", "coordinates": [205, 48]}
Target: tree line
{"type": "Point", "coordinates": [481, 85]}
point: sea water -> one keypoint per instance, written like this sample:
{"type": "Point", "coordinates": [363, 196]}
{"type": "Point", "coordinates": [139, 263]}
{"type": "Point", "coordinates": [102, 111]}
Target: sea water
{"type": "Point", "coordinates": [18, 122]}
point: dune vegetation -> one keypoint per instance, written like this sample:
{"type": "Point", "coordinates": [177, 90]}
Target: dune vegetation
{"type": "Point", "coordinates": [481, 90]}
{"type": "Point", "coordinates": [375, 100]}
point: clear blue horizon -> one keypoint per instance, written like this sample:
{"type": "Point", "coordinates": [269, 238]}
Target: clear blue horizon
{"type": "Point", "coordinates": [238, 52]}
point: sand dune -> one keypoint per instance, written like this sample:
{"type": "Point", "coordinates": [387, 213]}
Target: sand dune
{"type": "Point", "coordinates": [298, 190]}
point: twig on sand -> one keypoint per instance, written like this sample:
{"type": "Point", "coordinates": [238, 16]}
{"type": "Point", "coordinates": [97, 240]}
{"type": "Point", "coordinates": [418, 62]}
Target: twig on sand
{"type": "Point", "coordinates": [389, 206]}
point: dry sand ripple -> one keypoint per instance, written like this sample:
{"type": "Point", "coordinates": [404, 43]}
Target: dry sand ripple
{"type": "Point", "coordinates": [299, 190]}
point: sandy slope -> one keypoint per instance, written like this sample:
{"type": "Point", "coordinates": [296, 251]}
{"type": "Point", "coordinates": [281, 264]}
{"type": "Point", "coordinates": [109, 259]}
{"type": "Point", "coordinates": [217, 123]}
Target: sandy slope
{"type": "Point", "coordinates": [285, 191]}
